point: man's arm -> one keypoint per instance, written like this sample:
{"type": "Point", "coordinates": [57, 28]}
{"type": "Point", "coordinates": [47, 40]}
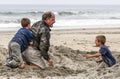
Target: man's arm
{"type": "Point", "coordinates": [92, 55]}
{"type": "Point", "coordinates": [44, 44]}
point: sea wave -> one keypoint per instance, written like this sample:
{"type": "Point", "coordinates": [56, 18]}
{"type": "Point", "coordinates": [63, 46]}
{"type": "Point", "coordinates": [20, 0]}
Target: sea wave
{"type": "Point", "coordinates": [10, 21]}
{"type": "Point", "coordinates": [20, 13]}
{"type": "Point", "coordinates": [79, 12]}
{"type": "Point", "coordinates": [41, 12]}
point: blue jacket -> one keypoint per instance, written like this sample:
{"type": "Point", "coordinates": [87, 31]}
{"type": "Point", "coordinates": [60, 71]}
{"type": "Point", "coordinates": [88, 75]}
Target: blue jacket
{"type": "Point", "coordinates": [107, 56]}
{"type": "Point", "coordinates": [23, 37]}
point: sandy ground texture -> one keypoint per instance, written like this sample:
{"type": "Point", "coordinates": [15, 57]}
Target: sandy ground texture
{"type": "Point", "coordinates": [67, 50]}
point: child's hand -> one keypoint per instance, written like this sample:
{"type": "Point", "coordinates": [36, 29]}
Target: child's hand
{"type": "Point", "coordinates": [88, 55]}
{"type": "Point", "coordinates": [22, 65]}
{"type": "Point", "coordinates": [50, 62]}
{"type": "Point", "coordinates": [31, 43]}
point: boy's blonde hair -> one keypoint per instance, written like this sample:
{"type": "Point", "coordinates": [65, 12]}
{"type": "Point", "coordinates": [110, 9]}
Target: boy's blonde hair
{"type": "Point", "coordinates": [25, 22]}
{"type": "Point", "coordinates": [101, 38]}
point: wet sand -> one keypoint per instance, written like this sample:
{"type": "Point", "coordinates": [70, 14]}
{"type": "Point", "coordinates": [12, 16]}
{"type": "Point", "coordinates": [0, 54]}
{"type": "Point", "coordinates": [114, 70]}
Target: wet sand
{"type": "Point", "coordinates": [67, 50]}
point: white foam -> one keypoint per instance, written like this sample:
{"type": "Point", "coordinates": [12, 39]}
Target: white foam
{"type": "Point", "coordinates": [9, 27]}
{"type": "Point", "coordinates": [70, 24]}
{"type": "Point", "coordinates": [87, 23]}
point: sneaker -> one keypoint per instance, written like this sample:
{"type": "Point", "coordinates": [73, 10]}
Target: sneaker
{"type": "Point", "coordinates": [12, 63]}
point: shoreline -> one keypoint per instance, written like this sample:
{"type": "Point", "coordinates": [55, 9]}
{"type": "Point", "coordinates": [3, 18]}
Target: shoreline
{"type": "Point", "coordinates": [88, 30]}
{"type": "Point", "coordinates": [72, 29]}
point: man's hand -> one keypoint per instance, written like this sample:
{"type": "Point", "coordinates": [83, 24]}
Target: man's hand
{"type": "Point", "coordinates": [50, 62]}
{"type": "Point", "coordinates": [88, 55]}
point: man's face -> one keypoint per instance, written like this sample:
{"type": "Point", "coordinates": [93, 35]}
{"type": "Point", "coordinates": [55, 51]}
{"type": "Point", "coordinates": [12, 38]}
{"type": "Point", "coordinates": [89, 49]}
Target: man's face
{"type": "Point", "coordinates": [51, 21]}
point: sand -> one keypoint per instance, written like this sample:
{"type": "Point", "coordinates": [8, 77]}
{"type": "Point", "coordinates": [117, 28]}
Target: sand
{"type": "Point", "coordinates": [67, 51]}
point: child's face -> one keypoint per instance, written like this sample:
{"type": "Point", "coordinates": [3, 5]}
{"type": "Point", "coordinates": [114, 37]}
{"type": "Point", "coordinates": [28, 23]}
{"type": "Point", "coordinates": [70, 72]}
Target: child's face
{"type": "Point", "coordinates": [97, 42]}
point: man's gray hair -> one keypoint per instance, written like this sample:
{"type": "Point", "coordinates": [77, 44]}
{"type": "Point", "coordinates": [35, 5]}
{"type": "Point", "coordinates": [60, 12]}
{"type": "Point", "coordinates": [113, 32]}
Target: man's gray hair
{"type": "Point", "coordinates": [47, 15]}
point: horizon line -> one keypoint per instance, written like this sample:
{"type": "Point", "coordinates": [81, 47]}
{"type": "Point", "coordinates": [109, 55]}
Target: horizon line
{"type": "Point", "coordinates": [60, 4]}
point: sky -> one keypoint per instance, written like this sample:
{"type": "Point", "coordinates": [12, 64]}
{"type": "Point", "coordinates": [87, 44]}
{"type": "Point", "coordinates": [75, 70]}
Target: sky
{"type": "Point", "coordinates": [66, 2]}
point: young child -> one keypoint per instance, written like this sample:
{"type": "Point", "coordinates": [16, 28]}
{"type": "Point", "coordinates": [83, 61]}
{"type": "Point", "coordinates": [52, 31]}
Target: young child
{"type": "Point", "coordinates": [22, 39]}
{"type": "Point", "coordinates": [104, 52]}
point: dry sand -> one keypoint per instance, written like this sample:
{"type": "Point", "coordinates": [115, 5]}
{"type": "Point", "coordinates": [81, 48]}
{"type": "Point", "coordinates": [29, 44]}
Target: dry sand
{"type": "Point", "coordinates": [67, 50]}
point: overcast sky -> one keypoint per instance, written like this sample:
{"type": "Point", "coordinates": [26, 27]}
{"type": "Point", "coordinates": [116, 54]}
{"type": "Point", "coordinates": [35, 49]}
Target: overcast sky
{"type": "Point", "coordinates": [51, 2]}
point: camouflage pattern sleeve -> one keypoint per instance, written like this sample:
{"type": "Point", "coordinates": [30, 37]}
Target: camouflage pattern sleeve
{"type": "Point", "coordinates": [44, 43]}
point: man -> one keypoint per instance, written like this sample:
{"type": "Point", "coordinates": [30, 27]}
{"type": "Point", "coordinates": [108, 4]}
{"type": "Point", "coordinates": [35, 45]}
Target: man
{"type": "Point", "coordinates": [41, 31]}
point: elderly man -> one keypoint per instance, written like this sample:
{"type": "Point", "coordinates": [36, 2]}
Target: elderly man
{"type": "Point", "coordinates": [41, 30]}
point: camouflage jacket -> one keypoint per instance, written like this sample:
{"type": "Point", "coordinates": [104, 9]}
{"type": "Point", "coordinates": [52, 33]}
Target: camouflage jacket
{"type": "Point", "coordinates": [41, 31]}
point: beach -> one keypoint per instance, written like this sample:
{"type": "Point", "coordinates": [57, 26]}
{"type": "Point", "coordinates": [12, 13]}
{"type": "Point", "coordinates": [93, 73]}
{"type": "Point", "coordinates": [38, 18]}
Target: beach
{"type": "Point", "coordinates": [67, 50]}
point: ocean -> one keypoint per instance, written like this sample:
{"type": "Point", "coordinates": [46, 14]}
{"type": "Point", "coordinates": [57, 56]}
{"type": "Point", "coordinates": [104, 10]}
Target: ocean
{"type": "Point", "coordinates": [67, 16]}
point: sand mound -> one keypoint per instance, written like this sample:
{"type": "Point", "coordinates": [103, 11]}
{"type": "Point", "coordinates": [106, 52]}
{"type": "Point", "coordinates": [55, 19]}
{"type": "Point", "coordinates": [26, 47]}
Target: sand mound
{"type": "Point", "coordinates": [68, 64]}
